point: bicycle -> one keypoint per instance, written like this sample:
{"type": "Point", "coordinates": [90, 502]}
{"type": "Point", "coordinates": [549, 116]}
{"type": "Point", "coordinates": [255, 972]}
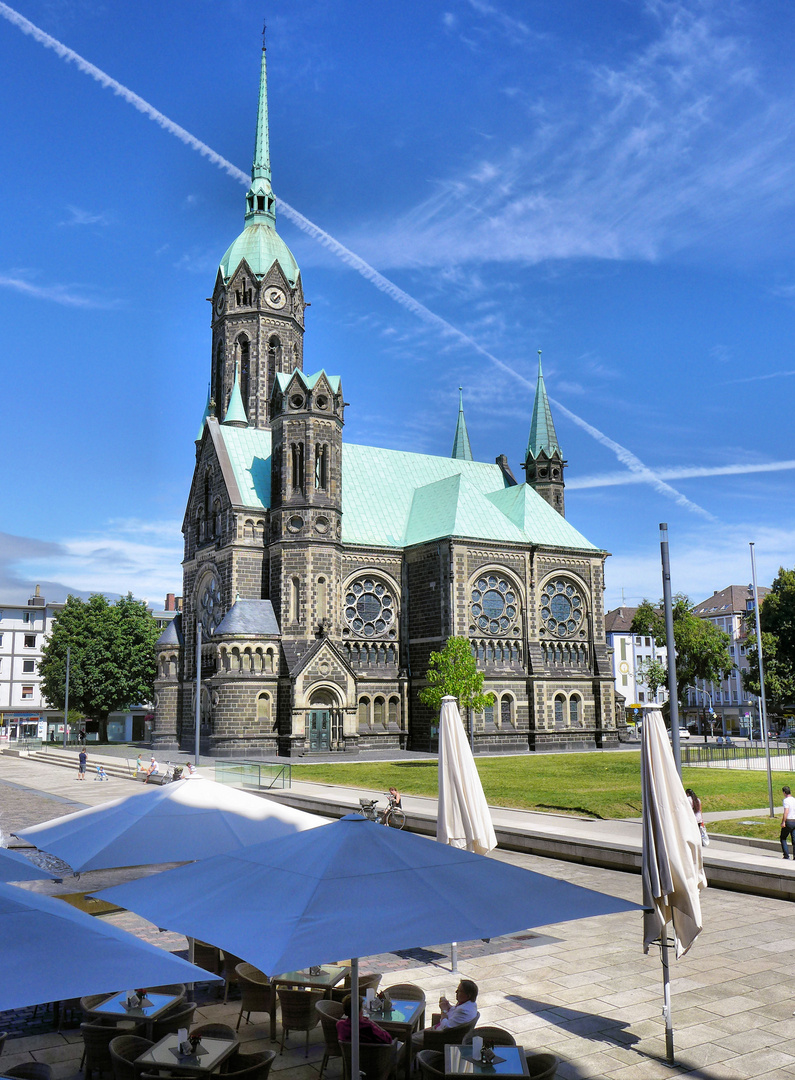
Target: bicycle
{"type": "Point", "coordinates": [391, 815]}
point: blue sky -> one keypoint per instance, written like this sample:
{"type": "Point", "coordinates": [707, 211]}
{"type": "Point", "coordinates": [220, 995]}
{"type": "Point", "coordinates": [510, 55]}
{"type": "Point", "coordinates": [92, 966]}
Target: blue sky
{"type": "Point", "coordinates": [612, 182]}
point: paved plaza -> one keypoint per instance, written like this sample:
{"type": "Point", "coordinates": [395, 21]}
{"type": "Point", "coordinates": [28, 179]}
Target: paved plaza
{"type": "Point", "coordinates": [583, 990]}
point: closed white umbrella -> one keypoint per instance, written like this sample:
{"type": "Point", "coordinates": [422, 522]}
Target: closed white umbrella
{"type": "Point", "coordinates": [463, 819]}
{"type": "Point", "coordinates": [672, 865]}
{"type": "Point", "coordinates": [189, 819]}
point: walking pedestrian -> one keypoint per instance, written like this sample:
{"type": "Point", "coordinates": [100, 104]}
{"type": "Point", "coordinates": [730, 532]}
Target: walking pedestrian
{"type": "Point", "coordinates": [695, 804]}
{"type": "Point", "coordinates": [787, 822]}
{"type": "Point", "coordinates": [82, 758]}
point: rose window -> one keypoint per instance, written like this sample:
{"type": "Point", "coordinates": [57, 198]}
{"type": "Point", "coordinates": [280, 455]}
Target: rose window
{"type": "Point", "coordinates": [210, 605]}
{"type": "Point", "coordinates": [370, 609]}
{"type": "Point", "coordinates": [562, 609]}
{"type": "Point", "coordinates": [494, 605]}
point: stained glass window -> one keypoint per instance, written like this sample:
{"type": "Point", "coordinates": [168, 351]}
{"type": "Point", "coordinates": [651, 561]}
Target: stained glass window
{"type": "Point", "coordinates": [370, 609]}
{"type": "Point", "coordinates": [494, 605]}
{"type": "Point", "coordinates": [562, 609]}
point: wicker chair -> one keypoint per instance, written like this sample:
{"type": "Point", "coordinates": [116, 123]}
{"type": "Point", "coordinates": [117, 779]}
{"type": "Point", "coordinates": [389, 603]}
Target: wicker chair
{"type": "Point", "coordinates": [330, 1012]}
{"type": "Point", "coordinates": [499, 1036]}
{"type": "Point", "coordinates": [31, 1070]}
{"type": "Point", "coordinates": [251, 1066]}
{"type": "Point", "coordinates": [88, 1004]}
{"type": "Point", "coordinates": [366, 982]}
{"type": "Point", "coordinates": [229, 971]}
{"type": "Point", "coordinates": [298, 1012]}
{"type": "Point", "coordinates": [256, 992]}
{"type": "Point", "coordinates": [207, 956]}
{"type": "Point", "coordinates": [377, 1061]}
{"type": "Point", "coordinates": [215, 1031]}
{"type": "Point", "coordinates": [177, 989]}
{"type": "Point", "coordinates": [408, 992]}
{"type": "Point", "coordinates": [431, 1064]}
{"type": "Point", "coordinates": [541, 1066]}
{"type": "Point", "coordinates": [438, 1038]}
{"type": "Point", "coordinates": [124, 1050]}
{"type": "Point", "coordinates": [179, 1016]}
{"type": "Point", "coordinates": [97, 1037]}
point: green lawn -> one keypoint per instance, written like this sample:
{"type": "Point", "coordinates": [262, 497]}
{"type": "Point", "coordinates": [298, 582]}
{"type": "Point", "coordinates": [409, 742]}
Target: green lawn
{"type": "Point", "coordinates": [759, 829]}
{"type": "Point", "coordinates": [595, 785]}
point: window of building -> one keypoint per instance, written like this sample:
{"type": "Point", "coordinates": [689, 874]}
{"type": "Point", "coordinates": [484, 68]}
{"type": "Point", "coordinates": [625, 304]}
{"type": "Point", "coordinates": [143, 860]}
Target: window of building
{"type": "Point", "coordinates": [488, 714]}
{"type": "Point", "coordinates": [378, 710]}
{"type": "Point", "coordinates": [321, 467]}
{"type": "Point", "coordinates": [638, 640]}
{"type": "Point", "coordinates": [370, 608]}
{"type": "Point", "coordinates": [641, 695]}
{"type": "Point", "coordinates": [321, 598]}
{"type": "Point", "coordinates": [27, 692]}
{"type": "Point", "coordinates": [394, 710]}
{"type": "Point", "coordinates": [295, 600]}
{"type": "Point", "coordinates": [364, 710]}
{"type": "Point", "coordinates": [624, 680]}
{"type": "Point", "coordinates": [574, 709]}
{"type": "Point", "coordinates": [647, 642]}
{"type": "Point", "coordinates": [623, 648]}
{"type": "Point", "coordinates": [264, 709]}
{"type": "Point", "coordinates": [30, 641]}
{"type": "Point", "coordinates": [742, 647]}
{"type": "Point", "coordinates": [506, 710]}
{"type": "Point", "coordinates": [26, 616]}
{"type": "Point", "coordinates": [493, 604]}
{"type": "Point", "coordinates": [1, 639]}
{"type": "Point", "coordinates": [562, 609]}
{"type": "Point", "coordinates": [28, 667]}
{"type": "Point", "coordinates": [245, 371]}
{"type": "Point", "coordinates": [560, 714]}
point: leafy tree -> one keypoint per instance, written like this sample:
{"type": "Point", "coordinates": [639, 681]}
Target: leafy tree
{"type": "Point", "coordinates": [112, 655]}
{"type": "Point", "coordinates": [654, 675]}
{"type": "Point", "coordinates": [777, 619]}
{"type": "Point", "coordinates": [702, 650]}
{"type": "Point", "coordinates": [454, 671]}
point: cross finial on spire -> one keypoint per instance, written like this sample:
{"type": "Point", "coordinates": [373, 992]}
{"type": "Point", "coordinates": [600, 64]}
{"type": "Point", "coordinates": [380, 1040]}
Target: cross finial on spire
{"type": "Point", "coordinates": [264, 28]}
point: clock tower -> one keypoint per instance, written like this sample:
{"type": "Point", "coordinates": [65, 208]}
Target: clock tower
{"type": "Point", "coordinates": [258, 301]}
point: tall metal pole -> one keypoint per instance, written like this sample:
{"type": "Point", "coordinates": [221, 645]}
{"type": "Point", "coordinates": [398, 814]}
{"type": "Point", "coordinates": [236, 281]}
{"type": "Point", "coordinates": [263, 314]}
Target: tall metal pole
{"type": "Point", "coordinates": [762, 704]}
{"type": "Point", "coordinates": [669, 637]}
{"type": "Point", "coordinates": [198, 690]}
{"type": "Point", "coordinates": [66, 695]}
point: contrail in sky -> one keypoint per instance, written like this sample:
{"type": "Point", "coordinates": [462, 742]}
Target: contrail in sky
{"type": "Point", "coordinates": [625, 456]}
{"type": "Point", "coordinates": [681, 473]}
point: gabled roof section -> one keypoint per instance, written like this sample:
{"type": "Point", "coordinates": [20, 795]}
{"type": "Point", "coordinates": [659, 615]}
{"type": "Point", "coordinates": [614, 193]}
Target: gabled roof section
{"type": "Point", "coordinates": [535, 518]}
{"type": "Point", "coordinates": [619, 620]}
{"type": "Point", "coordinates": [299, 655]}
{"type": "Point", "coordinates": [543, 438]}
{"type": "Point", "coordinates": [461, 448]}
{"type": "Point", "coordinates": [248, 617]}
{"type": "Point", "coordinates": [284, 378]}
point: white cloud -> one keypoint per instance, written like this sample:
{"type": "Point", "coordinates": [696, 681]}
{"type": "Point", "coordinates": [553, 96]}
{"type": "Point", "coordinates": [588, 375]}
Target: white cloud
{"type": "Point", "coordinates": [67, 295]}
{"type": "Point", "coordinates": [84, 217]}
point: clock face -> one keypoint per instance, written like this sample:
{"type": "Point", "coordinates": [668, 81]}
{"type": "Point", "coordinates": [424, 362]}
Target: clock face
{"type": "Point", "coordinates": [275, 297]}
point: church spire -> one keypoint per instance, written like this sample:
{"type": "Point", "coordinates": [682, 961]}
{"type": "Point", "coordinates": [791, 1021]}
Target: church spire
{"type": "Point", "coordinates": [260, 201]}
{"type": "Point", "coordinates": [544, 462]}
{"type": "Point", "coordinates": [235, 410]}
{"type": "Point", "coordinates": [461, 448]}
{"type": "Point", "coordinates": [542, 429]}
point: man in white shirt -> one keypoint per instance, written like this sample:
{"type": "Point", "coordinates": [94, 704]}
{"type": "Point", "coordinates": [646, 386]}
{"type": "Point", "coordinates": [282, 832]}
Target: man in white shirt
{"type": "Point", "coordinates": [465, 1011]}
{"type": "Point", "coordinates": [788, 822]}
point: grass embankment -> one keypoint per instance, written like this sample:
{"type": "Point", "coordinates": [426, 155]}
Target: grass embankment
{"type": "Point", "coordinates": [593, 785]}
{"type": "Point", "coordinates": [758, 828]}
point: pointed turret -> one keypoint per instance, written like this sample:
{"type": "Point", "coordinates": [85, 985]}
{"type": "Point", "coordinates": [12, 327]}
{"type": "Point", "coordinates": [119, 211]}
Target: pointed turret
{"type": "Point", "coordinates": [260, 203]}
{"type": "Point", "coordinates": [544, 462]}
{"type": "Point", "coordinates": [461, 448]}
{"type": "Point", "coordinates": [235, 412]}
{"type": "Point", "coordinates": [205, 414]}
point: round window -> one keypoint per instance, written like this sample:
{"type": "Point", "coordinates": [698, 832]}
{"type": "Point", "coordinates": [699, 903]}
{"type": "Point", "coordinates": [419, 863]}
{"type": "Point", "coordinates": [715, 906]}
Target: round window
{"type": "Point", "coordinates": [321, 401]}
{"type": "Point", "coordinates": [296, 523]}
{"type": "Point", "coordinates": [493, 605]}
{"type": "Point", "coordinates": [296, 401]}
{"type": "Point", "coordinates": [370, 609]}
{"type": "Point", "coordinates": [562, 609]}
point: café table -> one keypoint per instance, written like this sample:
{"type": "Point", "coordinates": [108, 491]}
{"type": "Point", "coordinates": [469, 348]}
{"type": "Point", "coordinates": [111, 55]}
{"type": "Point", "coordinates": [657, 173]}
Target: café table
{"type": "Point", "coordinates": [152, 1007]}
{"type": "Point", "coordinates": [458, 1061]}
{"type": "Point", "coordinates": [166, 1055]}
{"type": "Point", "coordinates": [328, 977]}
{"type": "Point", "coordinates": [401, 1020]}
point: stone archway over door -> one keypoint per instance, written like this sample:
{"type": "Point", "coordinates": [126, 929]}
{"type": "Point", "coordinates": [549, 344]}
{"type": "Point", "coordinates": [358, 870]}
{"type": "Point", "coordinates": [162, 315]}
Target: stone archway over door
{"type": "Point", "coordinates": [325, 722]}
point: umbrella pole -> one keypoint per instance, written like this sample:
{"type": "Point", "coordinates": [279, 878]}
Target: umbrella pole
{"type": "Point", "coordinates": [355, 1012]}
{"type": "Point", "coordinates": [669, 1031]}
{"type": "Point", "coordinates": [191, 952]}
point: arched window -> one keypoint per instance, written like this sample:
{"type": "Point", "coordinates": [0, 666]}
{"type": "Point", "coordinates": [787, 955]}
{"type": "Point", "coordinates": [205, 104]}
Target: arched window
{"type": "Point", "coordinates": [321, 467]}
{"type": "Point", "coordinates": [364, 711]}
{"type": "Point", "coordinates": [321, 598]}
{"type": "Point", "coordinates": [378, 710]}
{"type": "Point", "coordinates": [506, 710]}
{"type": "Point", "coordinates": [219, 380]}
{"type": "Point", "coordinates": [574, 709]}
{"type": "Point", "coordinates": [264, 710]}
{"type": "Point", "coordinates": [394, 710]}
{"type": "Point", "coordinates": [295, 599]}
{"type": "Point", "coordinates": [245, 370]}
{"type": "Point", "coordinates": [488, 714]}
{"type": "Point", "coordinates": [269, 660]}
{"type": "Point", "coordinates": [297, 479]}
{"type": "Point", "coordinates": [560, 711]}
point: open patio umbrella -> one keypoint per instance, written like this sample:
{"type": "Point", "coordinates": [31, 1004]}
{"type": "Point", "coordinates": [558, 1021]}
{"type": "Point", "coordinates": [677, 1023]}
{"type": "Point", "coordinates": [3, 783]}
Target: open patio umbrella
{"type": "Point", "coordinates": [672, 866]}
{"type": "Point", "coordinates": [351, 888]}
{"type": "Point", "coordinates": [189, 819]}
{"type": "Point", "coordinates": [463, 819]}
{"type": "Point", "coordinates": [52, 951]}
{"type": "Point", "coordinates": [15, 867]}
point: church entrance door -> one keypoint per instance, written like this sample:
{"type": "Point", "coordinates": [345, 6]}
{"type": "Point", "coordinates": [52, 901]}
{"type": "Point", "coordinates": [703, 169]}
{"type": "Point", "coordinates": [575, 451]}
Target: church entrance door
{"type": "Point", "coordinates": [319, 730]}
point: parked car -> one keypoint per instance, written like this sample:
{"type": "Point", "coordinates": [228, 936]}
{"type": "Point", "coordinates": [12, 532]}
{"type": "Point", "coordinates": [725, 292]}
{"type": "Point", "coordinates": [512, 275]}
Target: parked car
{"type": "Point", "coordinates": [683, 734]}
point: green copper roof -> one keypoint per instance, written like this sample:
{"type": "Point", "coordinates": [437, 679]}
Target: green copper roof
{"type": "Point", "coordinates": [542, 429]}
{"type": "Point", "coordinates": [391, 498]}
{"type": "Point", "coordinates": [461, 448]}
{"type": "Point", "coordinates": [259, 243]}
{"type": "Point", "coordinates": [235, 410]}
{"type": "Point", "coordinates": [283, 379]}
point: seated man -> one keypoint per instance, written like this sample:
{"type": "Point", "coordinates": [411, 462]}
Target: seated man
{"type": "Point", "coordinates": [464, 1011]}
{"type": "Point", "coordinates": [368, 1031]}
{"type": "Point", "coordinates": [153, 769]}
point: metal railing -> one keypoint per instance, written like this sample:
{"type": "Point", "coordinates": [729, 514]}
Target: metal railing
{"type": "Point", "coordinates": [257, 774]}
{"type": "Point", "coordinates": [782, 756]}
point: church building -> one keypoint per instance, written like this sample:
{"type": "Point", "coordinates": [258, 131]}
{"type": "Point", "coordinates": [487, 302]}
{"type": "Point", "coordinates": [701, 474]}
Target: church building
{"type": "Point", "coordinates": [319, 575]}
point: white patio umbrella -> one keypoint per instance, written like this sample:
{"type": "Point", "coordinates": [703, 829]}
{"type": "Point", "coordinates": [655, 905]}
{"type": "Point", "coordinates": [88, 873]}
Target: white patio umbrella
{"type": "Point", "coordinates": [463, 818]}
{"type": "Point", "coordinates": [15, 867]}
{"type": "Point", "coordinates": [351, 888]}
{"type": "Point", "coordinates": [672, 865]}
{"type": "Point", "coordinates": [189, 819]}
{"type": "Point", "coordinates": [52, 951]}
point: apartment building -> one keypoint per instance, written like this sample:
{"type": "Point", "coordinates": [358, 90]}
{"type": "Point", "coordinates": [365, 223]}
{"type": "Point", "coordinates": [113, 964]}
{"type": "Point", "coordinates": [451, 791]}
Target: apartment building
{"type": "Point", "coordinates": [631, 654]}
